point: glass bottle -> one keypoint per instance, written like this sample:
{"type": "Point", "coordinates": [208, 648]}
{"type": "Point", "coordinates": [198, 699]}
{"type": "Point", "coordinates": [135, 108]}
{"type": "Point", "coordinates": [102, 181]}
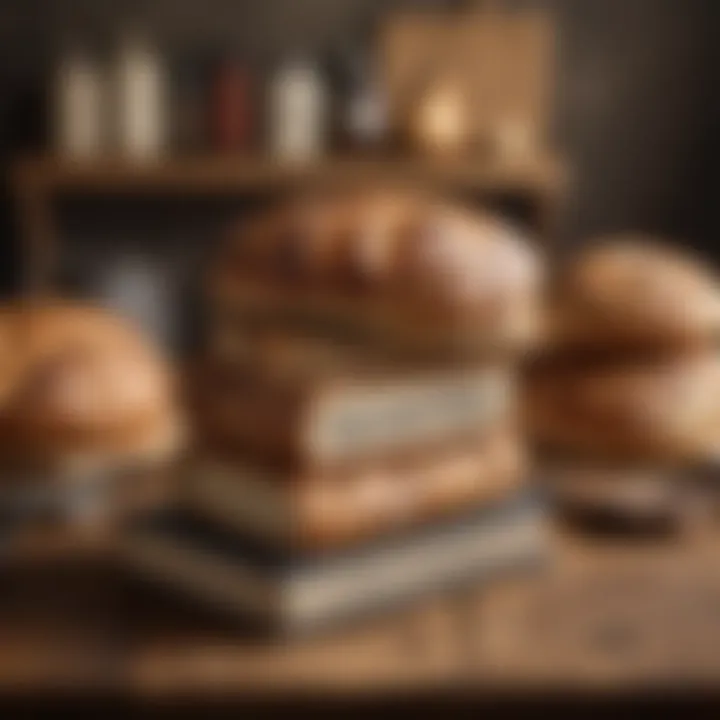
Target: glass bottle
{"type": "Point", "coordinates": [298, 112]}
{"type": "Point", "coordinates": [79, 102]}
{"type": "Point", "coordinates": [140, 98]}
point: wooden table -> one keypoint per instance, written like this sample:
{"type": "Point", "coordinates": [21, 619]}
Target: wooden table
{"type": "Point", "coordinates": [604, 613]}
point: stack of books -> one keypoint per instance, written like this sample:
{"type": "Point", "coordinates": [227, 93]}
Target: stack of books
{"type": "Point", "coordinates": [331, 477]}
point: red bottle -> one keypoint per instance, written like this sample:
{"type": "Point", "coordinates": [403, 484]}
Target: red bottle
{"type": "Point", "coordinates": [230, 111]}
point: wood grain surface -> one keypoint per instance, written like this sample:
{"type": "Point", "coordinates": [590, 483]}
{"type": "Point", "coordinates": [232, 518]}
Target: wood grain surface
{"type": "Point", "coordinates": [603, 613]}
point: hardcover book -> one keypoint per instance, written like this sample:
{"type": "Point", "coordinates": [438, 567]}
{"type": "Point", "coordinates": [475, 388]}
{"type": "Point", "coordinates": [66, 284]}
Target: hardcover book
{"type": "Point", "coordinates": [298, 591]}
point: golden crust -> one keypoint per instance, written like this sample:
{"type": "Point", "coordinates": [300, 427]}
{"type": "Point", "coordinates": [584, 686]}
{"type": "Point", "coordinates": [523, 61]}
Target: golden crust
{"type": "Point", "coordinates": [81, 380]}
{"type": "Point", "coordinates": [632, 290]}
{"type": "Point", "coordinates": [663, 409]}
{"type": "Point", "coordinates": [394, 261]}
{"type": "Point", "coordinates": [374, 502]}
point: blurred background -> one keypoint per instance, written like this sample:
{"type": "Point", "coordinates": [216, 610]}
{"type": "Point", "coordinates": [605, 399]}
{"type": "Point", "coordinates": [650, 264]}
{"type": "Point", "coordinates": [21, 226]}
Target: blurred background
{"type": "Point", "coordinates": [631, 101]}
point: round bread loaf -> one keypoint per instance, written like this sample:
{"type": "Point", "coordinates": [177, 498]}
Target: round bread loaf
{"type": "Point", "coordinates": [661, 409]}
{"type": "Point", "coordinates": [633, 291]}
{"type": "Point", "coordinates": [80, 385]}
{"type": "Point", "coordinates": [386, 268]}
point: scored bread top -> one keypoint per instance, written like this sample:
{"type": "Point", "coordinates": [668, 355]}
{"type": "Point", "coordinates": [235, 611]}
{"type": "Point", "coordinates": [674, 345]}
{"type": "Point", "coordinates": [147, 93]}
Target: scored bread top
{"type": "Point", "coordinates": [399, 262]}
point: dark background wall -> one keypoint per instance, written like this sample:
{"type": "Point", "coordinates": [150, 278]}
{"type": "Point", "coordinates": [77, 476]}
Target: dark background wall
{"type": "Point", "coordinates": [636, 106]}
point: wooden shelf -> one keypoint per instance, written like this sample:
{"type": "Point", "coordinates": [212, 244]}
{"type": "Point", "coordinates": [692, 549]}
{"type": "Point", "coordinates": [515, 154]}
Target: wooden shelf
{"type": "Point", "coordinates": [228, 174]}
{"type": "Point", "coordinates": [39, 180]}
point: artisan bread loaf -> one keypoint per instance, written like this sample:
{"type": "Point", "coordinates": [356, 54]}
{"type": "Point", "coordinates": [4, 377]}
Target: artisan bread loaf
{"type": "Point", "coordinates": [385, 268]}
{"type": "Point", "coordinates": [632, 291]}
{"type": "Point", "coordinates": [279, 414]}
{"type": "Point", "coordinates": [81, 385]}
{"type": "Point", "coordinates": [321, 510]}
{"type": "Point", "coordinates": [664, 408]}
